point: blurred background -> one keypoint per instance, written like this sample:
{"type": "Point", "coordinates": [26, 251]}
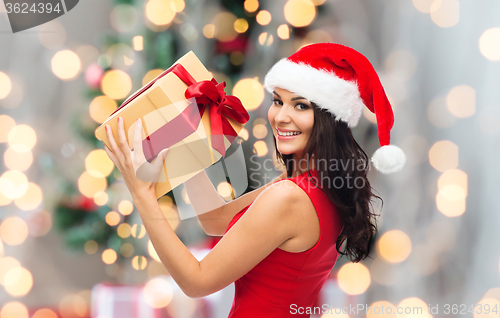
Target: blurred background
{"type": "Point", "coordinates": [71, 243]}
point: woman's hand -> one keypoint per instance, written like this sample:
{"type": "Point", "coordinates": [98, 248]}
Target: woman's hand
{"type": "Point", "coordinates": [139, 175]}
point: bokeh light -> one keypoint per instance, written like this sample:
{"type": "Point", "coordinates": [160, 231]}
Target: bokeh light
{"type": "Point", "coordinates": [13, 231]}
{"type": "Point", "coordinates": [159, 12]}
{"type": "Point", "coordinates": [4, 200]}
{"type": "Point", "coordinates": [138, 43]}
{"type": "Point", "coordinates": [139, 263]}
{"type": "Point", "coordinates": [91, 247]}
{"type": "Point", "coordinates": [241, 25]}
{"type": "Point", "coordinates": [101, 198]}
{"type": "Point", "coordinates": [158, 292]}
{"type": "Point", "coordinates": [237, 58]}
{"type": "Point", "coordinates": [20, 161]}
{"type": "Point", "coordinates": [138, 231]}
{"type": "Point", "coordinates": [251, 5]}
{"type": "Point", "coordinates": [283, 32]}
{"type": "Point", "coordinates": [6, 124]}
{"type": "Point", "coordinates": [22, 138]}
{"type": "Point", "coordinates": [116, 84]}
{"type": "Point", "coordinates": [90, 185]}
{"type": "Point", "coordinates": [98, 163]}
{"type": "Point", "coordinates": [177, 5]}
{"type": "Point", "coordinates": [260, 131]}
{"type": "Point", "coordinates": [300, 13]}
{"type": "Point", "coordinates": [461, 101]}
{"type": "Point", "coordinates": [109, 256]}
{"type": "Point", "coordinates": [224, 26]}
{"type": "Point", "coordinates": [127, 250]}
{"type": "Point", "coordinates": [489, 44]}
{"type": "Point", "coordinates": [101, 107]}
{"type": "Point", "coordinates": [18, 282]}
{"type": "Point", "coordinates": [44, 313]}
{"type": "Point", "coordinates": [452, 192]}
{"type": "Point", "coordinates": [31, 199]}
{"type": "Point", "coordinates": [125, 207]}
{"type": "Point", "coordinates": [113, 218]}
{"type": "Point", "coordinates": [445, 13]}
{"type": "Point", "coordinates": [266, 39]}
{"type": "Point", "coordinates": [250, 92]}
{"type": "Point", "coordinates": [72, 306]}
{"type": "Point", "coordinates": [453, 178]}
{"type": "Point", "coordinates": [354, 278]}
{"type": "Point", "coordinates": [13, 184]}
{"type": "Point", "coordinates": [225, 190]}
{"type": "Point", "coordinates": [5, 85]}
{"type": "Point", "coordinates": [209, 31]}
{"type": "Point", "coordinates": [443, 155]}
{"type": "Point", "coordinates": [263, 17]}
{"type": "Point", "coordinates": [6, 264]}
{"type": "Point", "coordinates": [260, 148]}
{"type": "Point", "coordinates": [394, 246]}
{"type": "Point", "coordinates": [123, 230]}
{"type": "Point", "coordinates": [14, 309]}
{"type": "Point", "coordinates": [66, 65]}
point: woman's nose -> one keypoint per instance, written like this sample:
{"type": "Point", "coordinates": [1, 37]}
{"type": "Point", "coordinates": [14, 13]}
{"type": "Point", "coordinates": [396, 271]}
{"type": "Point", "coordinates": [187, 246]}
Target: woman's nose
{"type": "Point", "coordinates": [283, 115]}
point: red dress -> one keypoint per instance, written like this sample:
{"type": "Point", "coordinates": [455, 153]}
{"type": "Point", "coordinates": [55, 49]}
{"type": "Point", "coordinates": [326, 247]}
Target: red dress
{"type": "Point", "coordinates": [285, 281]}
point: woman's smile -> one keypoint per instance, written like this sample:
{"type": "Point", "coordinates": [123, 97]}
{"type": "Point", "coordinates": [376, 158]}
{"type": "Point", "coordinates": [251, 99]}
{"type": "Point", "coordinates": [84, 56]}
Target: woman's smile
{"type": "Point", "coordinates": [285, 134]}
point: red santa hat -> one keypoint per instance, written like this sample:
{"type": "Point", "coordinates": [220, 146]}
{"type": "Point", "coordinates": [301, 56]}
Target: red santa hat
{"type": "Point", "coordinates": [341, 81]}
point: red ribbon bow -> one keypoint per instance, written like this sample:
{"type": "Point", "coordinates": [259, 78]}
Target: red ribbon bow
{"type": "Point", "coordinates": [221, 106]}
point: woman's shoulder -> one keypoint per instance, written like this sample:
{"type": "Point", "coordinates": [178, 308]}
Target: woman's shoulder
{"type": "Point", "coordinates": [287, 193]}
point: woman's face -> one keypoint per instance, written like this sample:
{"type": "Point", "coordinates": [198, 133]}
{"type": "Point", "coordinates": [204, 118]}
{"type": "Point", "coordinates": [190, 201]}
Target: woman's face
{"type": "Point", "coordinates": [292, 119]}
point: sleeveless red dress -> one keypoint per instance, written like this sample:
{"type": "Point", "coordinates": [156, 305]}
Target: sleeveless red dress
{"type": "Point", "coordinates": [285, 281]}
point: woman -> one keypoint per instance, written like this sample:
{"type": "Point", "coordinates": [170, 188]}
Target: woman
{"type": "Point", "coordinates": [281, 241]}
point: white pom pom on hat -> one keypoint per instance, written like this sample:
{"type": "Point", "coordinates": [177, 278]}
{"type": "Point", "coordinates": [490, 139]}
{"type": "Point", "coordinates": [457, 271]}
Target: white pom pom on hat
{"type": "Point", "coordinates": [341, 81]}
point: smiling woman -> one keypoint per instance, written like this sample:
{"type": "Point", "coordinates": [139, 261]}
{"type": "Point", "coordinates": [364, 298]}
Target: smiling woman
{"type": "Point", "coordinates": [281, 241]}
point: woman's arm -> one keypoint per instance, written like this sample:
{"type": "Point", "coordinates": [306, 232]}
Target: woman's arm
{"type": "Point", "coordinates": [213, 212]}
{"type": "Point", "coordinates": [271, 220]}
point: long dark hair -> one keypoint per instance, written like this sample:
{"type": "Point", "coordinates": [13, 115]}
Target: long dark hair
{"type": "Point", "coordinates": [331, 142]}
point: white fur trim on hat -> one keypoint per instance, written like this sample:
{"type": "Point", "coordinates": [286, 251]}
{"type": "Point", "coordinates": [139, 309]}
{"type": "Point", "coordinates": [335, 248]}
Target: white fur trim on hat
{"type": "Point", "coordinates": [389, 159]}
{"type": "Point", "coordinates": [327, 90]}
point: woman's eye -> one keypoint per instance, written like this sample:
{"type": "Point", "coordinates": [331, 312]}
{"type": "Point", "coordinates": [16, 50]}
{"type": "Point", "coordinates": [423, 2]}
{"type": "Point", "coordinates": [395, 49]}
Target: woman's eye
{"type": "Point", "coordinates": [302, 106]}
{"type": "Point", "coordinates": [277, 102]}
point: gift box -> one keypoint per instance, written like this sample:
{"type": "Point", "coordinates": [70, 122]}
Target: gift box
{"type": "Point", "coordinates": [183, 109]}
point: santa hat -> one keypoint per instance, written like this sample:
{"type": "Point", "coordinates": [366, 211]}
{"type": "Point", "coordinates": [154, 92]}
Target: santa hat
{"type": "Point", "coordinates": [341, 81]}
